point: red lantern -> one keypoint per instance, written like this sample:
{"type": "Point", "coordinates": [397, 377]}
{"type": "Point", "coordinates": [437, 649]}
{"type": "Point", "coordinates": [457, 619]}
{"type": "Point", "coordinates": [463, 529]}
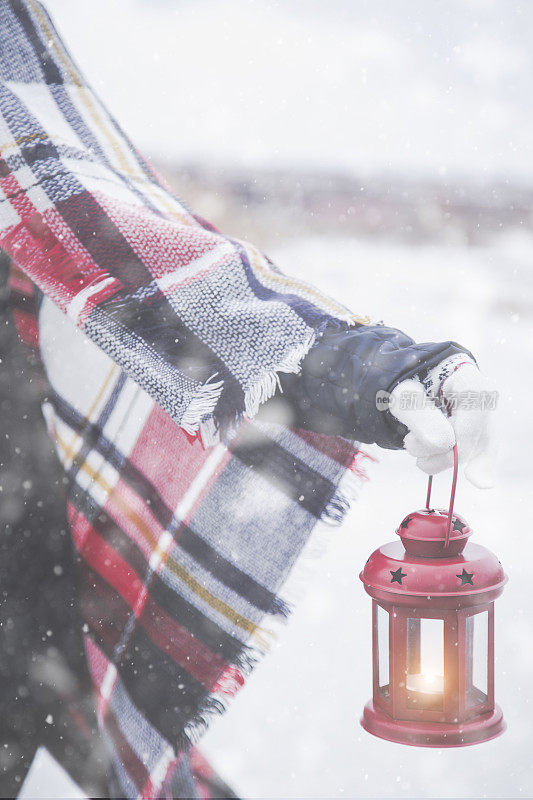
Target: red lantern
{"type": "Point", "coordinates": [433, 633]}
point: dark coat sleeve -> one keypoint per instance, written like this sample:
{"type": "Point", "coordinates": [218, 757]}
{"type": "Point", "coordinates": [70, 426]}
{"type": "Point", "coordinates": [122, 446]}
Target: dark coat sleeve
{"type": "Point", "coordinates": [338, 388]}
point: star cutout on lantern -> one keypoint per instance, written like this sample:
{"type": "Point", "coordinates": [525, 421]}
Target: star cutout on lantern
{"type": "Point", "coordinates": [406, 522]}
{"type": "Point", "coordinates": [397, 575]}
{"type": "Point", "coordinates": [466, 577]}
{"type": "Point", "coordinates": [458, 525]}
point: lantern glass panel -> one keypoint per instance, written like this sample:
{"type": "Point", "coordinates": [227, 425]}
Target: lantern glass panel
{"type": "Point", "coordinates": [477, 658]}
{"type": "Point", "coordinates": [425, 663]}
{"type": "Point", "coordinates": [383, 651]}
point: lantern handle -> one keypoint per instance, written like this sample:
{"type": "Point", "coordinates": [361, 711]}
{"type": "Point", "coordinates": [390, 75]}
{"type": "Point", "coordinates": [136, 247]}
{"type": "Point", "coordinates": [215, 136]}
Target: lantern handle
{"type": "Point", "coordinates": [452, 494]}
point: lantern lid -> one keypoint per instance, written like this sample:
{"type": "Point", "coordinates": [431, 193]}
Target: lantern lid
{"type": "Point", "coordinates": [394, 575]}
{"type": "Point", "coordinates": [436, 566]}
{"type": "Point", "coordinates": [423, 533]}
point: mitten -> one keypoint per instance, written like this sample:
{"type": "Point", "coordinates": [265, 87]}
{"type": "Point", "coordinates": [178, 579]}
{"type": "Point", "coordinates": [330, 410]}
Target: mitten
{"type": "Point", "coordinates": [452, 404]}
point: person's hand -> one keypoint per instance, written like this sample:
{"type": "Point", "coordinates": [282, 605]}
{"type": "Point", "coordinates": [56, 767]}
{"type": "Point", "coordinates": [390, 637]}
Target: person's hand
{"type": "Point", "coordinates": [453, 404]}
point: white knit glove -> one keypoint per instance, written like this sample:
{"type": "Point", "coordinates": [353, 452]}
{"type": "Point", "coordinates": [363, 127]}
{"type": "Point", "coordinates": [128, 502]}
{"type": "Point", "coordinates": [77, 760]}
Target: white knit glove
{"type": "Point", "coordinates": [453, 404]}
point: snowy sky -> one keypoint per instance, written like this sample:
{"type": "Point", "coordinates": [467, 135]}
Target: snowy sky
{"type": "Point", "coordinates": [416, 86]}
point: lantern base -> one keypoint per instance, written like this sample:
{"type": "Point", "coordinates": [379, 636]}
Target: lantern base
{"type": "Point", "coordinates": [432, 734]}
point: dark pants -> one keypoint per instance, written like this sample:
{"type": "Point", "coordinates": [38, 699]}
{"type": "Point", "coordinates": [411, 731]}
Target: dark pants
{"type": "Point", "coordinates": [45, 695]}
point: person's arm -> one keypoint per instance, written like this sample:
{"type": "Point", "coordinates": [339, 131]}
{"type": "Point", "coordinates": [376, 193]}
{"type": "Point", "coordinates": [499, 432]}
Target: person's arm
{"type": "Point", "coordinates": [375, 384]}
{"type": "Point", "coordinates": [340, 388]}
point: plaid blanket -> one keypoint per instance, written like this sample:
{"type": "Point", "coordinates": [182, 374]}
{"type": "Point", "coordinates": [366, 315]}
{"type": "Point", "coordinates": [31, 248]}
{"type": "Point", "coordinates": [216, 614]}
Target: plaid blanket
{"type": "Point", "coordinates": [160, 338]}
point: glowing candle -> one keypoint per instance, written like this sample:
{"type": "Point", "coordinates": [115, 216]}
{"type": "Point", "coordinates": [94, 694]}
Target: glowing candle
{"type": "Point", "coordinates": [425, 683]}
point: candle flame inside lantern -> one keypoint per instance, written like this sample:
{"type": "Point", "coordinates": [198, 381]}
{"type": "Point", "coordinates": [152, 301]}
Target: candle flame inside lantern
{"type": "Point", "coordinates": [426, 683]}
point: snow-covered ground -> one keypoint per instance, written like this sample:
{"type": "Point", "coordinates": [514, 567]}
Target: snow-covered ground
{"type": "Point", "coordinates": [294, 730]}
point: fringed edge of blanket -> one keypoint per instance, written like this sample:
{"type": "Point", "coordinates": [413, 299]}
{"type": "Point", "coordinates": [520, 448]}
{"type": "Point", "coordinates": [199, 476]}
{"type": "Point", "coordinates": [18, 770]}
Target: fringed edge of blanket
{"type": "Point", "coordinates": [199, 414]}
{"type": "Point", "coordinates": [206, 413]}
{"type": "Point", "coordinates": [294, 588]}
{"type": "Point", "coordinates": [265, 387]}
